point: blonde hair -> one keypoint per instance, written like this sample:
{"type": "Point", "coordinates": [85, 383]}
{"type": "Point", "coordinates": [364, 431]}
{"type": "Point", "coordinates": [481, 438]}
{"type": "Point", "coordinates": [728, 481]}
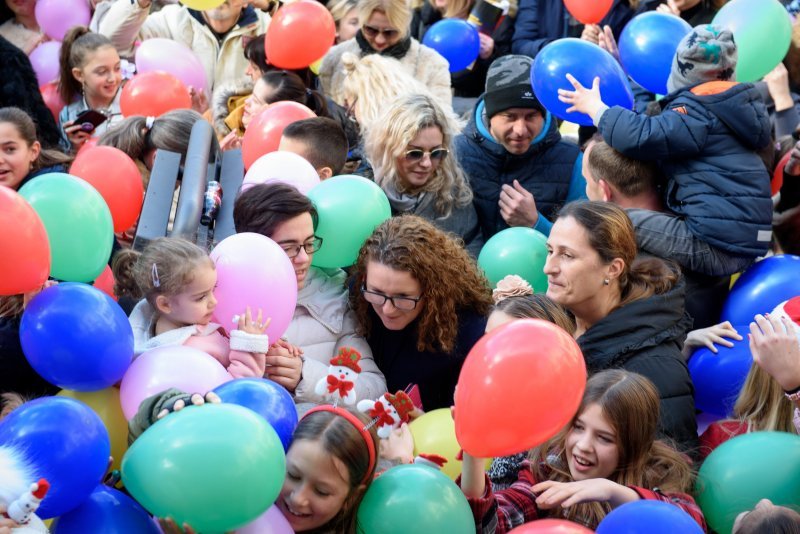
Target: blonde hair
{"type": "Point", "coordinates": [762, 405]}
{"type": "Point", "coordinates": [387, 139]}
{"type": "Point", "coordinates": [340, 8]}
{"type": "Point", "coordinates": [398, 12]}
{"type": "Point", "coordinates": [371, 82]}
{"type": "Point", "coordinates": [165, 267]}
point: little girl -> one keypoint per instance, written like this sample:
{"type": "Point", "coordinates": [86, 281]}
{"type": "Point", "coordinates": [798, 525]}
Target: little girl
{"type": "Point", "coordinates": [90, 79]}
{"type": "Point", "coordinates": [177, 280]}
{"type": "Point", "coordinates": [606, 457]}
{"type": "Point", "coordinates": [21, 154]}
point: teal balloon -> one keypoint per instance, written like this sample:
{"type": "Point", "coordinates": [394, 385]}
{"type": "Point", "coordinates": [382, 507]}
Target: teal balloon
{"type": "Point", "coordinates": [414, 498]}
{"type": "Point", "coordinates": [349, 208]}
{"type": "Point", "coordinates": [746, 469]}
{"type": "Point", "coordinates": [215, 467]}
{"type": "Point", "coordinates": [520, 251]}
{"type": "Point", "coordinates": [78, 224]}
{"type": "Point", "coordinates": [762, 31]}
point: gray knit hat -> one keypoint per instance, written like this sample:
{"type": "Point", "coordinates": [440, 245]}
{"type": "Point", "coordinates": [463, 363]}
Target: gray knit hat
{"type": "Point", "coordinates": [508, 85]}
{"type": "Point", "coordinates": [706, 54]}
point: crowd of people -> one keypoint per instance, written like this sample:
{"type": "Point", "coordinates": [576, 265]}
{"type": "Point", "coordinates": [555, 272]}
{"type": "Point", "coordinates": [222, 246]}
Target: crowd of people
{"type": "Point", "coordinates": [649, 215]}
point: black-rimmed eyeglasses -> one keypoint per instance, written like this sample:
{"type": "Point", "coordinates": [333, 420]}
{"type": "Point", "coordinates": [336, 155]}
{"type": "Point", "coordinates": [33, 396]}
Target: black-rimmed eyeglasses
{"type": "Point", "coordinates": [379, 299]}
{"type": "Point", "coordinates": [310, 247]}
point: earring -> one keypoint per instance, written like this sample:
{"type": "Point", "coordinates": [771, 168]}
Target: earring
{"type": "Point", "coordinates": [606, 281]}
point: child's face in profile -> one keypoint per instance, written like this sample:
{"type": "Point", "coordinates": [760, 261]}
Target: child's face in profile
{"type": "Point", "coordinates": [591, 446]}
{"type": "Point", "coordinates": [315, 488]}
{"type": "Point", "coordinates": [196, 303]}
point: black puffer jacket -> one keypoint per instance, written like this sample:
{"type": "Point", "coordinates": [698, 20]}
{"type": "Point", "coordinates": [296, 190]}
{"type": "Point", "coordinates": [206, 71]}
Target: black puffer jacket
{"type": "Point", "coordinates": [646, 337]}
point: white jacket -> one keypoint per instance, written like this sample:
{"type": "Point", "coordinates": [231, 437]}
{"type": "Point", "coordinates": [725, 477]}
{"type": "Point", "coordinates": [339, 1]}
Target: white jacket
{"type": "Point", "coordinates": [322, 323]}
{"type": "Point", "coordinates": [126, 22]}
{"type": "Point", "coordinates": [423, 63]}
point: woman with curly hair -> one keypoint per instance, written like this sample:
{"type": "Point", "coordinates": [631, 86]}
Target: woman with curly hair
{"type": "Point", "coordinates": [421, 303]}
{"type": "Point", "coordinates": [409, 150]}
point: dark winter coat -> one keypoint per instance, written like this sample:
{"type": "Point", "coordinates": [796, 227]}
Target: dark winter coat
{"type": "Point", "coordinates": [645, 337]}
{"type": "Point", "coordinates": [706, 145]}
{"type": "Point", "coordinates": [546, 169]}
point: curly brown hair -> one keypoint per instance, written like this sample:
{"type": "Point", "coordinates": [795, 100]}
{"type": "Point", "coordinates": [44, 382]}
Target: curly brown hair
{"type": "Point", "coordinates": [449, 278]}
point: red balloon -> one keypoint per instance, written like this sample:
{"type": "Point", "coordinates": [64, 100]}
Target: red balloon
{"type": "Point", "coordinates": [589, 11]}
{"type": "Point", "coordinates": [300, 33]}
{"type": "Point", "coordinates": [89, 143]}
{"type": "Point", "coordinates": [153, 94]}
{"type": "Point", "coordinates": [519, 386]}
{"type": "Point", "coordinates": [116, 177]}
{"type": "Point", "coordinates": [105, 282]}
{"type": "Point", "coordinates": [24, 247]}
{"type": "Point", "coordinates": [551, 526]}
{"type": "Point", "coordinates": [52, 99]}
{"type": "Point", "coordinates": [777, 176]}
{"type": "Point", "coordinates": [263, 135]}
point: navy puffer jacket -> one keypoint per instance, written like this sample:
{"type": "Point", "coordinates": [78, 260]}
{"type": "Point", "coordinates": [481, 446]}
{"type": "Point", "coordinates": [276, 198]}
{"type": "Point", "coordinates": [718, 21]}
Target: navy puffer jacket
{"type": "Point", "coordinates": [545, 169]}
{"type": "Point", "coordinates": [705, 140]}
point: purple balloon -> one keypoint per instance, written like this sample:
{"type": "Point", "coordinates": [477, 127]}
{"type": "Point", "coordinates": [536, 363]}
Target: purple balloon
{"type": "Point", "coordinates": [173, 57]}
{"type": "Point", "coordinates": [57, 17]}
{"type": "Point", "coordinates": [253, 270]}
{"type": "Point", "coordinates": [157, 370]}
{"type": "Point", "coordinates": [44, 59]}
{"type": "Point", "coordinates": [270, 522]}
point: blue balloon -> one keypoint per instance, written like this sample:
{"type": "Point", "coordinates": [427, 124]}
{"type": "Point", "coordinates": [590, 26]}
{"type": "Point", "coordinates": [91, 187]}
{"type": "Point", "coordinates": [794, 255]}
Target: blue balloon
{"type": "Point", "coordinates": [65, 442]}
{"type": "Point", "coordinates": [647, 48]}
{"type": "Point", "coordinates": [108, 511]}
{"type": "Point", "coordinates": [718, 378]}
{"type": "Point", "coordinates": [652, 517]}
{"type": "Point", "coordinates": [585, 61]}
{"type": "Point", "coordinates": [456, 40]}
{"type": "Point", "coordinates": [76, 337]}
{"type": "Point", "coordinates": [762, 287]}
{"type": "Point", "coordinates": [268, 399]}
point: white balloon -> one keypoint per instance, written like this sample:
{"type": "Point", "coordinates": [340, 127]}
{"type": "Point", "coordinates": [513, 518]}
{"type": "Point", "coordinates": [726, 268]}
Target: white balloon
{"type": "Point", "coordinates": [284, 167]}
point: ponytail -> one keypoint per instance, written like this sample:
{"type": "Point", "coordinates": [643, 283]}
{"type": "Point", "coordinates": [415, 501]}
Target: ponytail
{"type": "Point", "coordinates": [645, 278]}
{"type": "Point", "coordinates": [79, 42]}
{"type": "Point", "coordinates": [122, 267]}
{"type": "Point", "coordinates": [316, 102]}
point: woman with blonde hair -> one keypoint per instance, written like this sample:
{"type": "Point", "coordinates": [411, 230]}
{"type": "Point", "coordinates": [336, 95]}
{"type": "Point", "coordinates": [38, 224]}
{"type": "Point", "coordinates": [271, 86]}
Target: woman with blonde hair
{"type": "Point", "coordinates": [409, 150]}
{"type": "Point", "coordinates": [345, 16]}
{"type": "Point", "coordinates": [421, 303]}
{"type": "Point", "coordinates": [384, 30]}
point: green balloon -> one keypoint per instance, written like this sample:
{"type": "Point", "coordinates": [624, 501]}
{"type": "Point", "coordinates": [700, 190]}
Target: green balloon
{"type": "Point", "coordinates": [520, 251]}
{"type": "Point", "coordinates": [216, 467]}
{"type": "Point", "coordinates": [78, 224]}
{"type": "Point", "coordinates": [746, 469]}
{"type": "Point", "coordinates": [350, 208]}
{"type": "Point", "coordinates": [414, 498]}
{"type": "Point", "coordinates": [762, 31]}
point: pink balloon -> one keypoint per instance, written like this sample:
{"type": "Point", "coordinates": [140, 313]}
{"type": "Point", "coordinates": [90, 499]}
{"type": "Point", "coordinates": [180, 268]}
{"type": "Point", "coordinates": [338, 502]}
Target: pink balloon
{"type": "Point", "coordinates": [270, 522]}
{"type": "Point", "coordinates": [157, 370]}
{"type": "Point", "coordinates": [254, 271]}
{"type": "Point", "coordinates": [44, 59]}
{"type": "Point", "coordinates": [56, 17]}
{"type": "Point", "coordinates": [173, 57]}
{"type": "Point", "coordinates": [282, 166]}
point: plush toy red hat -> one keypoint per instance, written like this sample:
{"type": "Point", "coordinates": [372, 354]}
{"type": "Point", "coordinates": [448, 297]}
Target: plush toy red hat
{"type": "Point", "coordinates": [402, 403]}
{"type": "Point", "coordinates": [347, 357]}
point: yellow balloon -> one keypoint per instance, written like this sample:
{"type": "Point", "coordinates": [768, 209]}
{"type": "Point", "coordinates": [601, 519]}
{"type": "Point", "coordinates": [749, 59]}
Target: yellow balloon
{"type": "Point", "coordinates": [435, 433]}
{"type": "Point", "coordinates": [315, 66]}
{"type": "Point", "coordinates": [201, 5]}
{"type": "Point", "coordinates": [107, 406]}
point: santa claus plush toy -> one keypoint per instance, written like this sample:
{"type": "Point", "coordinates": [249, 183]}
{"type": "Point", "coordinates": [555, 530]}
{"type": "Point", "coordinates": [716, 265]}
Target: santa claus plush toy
{"type": "Point", "coordinates": [791, 310]}
{"type": "Point", "coordinates": [343, 372]}
{"type": "Point", "coordinates": [387, 412]}
{"type": "Point", "coordinates": [20, 492]}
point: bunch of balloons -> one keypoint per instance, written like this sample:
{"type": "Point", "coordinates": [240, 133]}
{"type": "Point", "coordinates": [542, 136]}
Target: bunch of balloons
{"type": "Point", "coordinates": [520, 384]}
{"type": "Point", "coordinates": [349, 208]}
{"type": "Point", "coordinates": [585, 61]}
{"type": "Point", "coordinates": [520, 251]}
{"type": "Point", "coordinates": [456, 40]}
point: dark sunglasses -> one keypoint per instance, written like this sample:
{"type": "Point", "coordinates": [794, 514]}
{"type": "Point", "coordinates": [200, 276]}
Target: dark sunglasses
{"type": "Point", "coordinates": [373, 32]}
{"type": "Point", "coordinates": [416, 154]}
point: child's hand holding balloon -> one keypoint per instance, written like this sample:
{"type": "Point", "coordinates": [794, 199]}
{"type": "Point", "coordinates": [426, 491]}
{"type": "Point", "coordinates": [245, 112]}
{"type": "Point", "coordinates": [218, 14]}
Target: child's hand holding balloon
{"type": "Point", "coordinates": [257, 326]}
{"type": "Point", "coordinates": [583, 100]}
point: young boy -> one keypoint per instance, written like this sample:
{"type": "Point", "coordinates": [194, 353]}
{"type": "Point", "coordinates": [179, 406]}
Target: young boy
{"type": "Point", "coordinates": [321, 141]}
{"type": "Point", "coordinates": [705, 140]}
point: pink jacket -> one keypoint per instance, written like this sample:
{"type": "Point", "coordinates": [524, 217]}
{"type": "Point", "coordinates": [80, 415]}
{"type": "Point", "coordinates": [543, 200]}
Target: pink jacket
{"type": "Point", "coordinates": [242, 354]}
